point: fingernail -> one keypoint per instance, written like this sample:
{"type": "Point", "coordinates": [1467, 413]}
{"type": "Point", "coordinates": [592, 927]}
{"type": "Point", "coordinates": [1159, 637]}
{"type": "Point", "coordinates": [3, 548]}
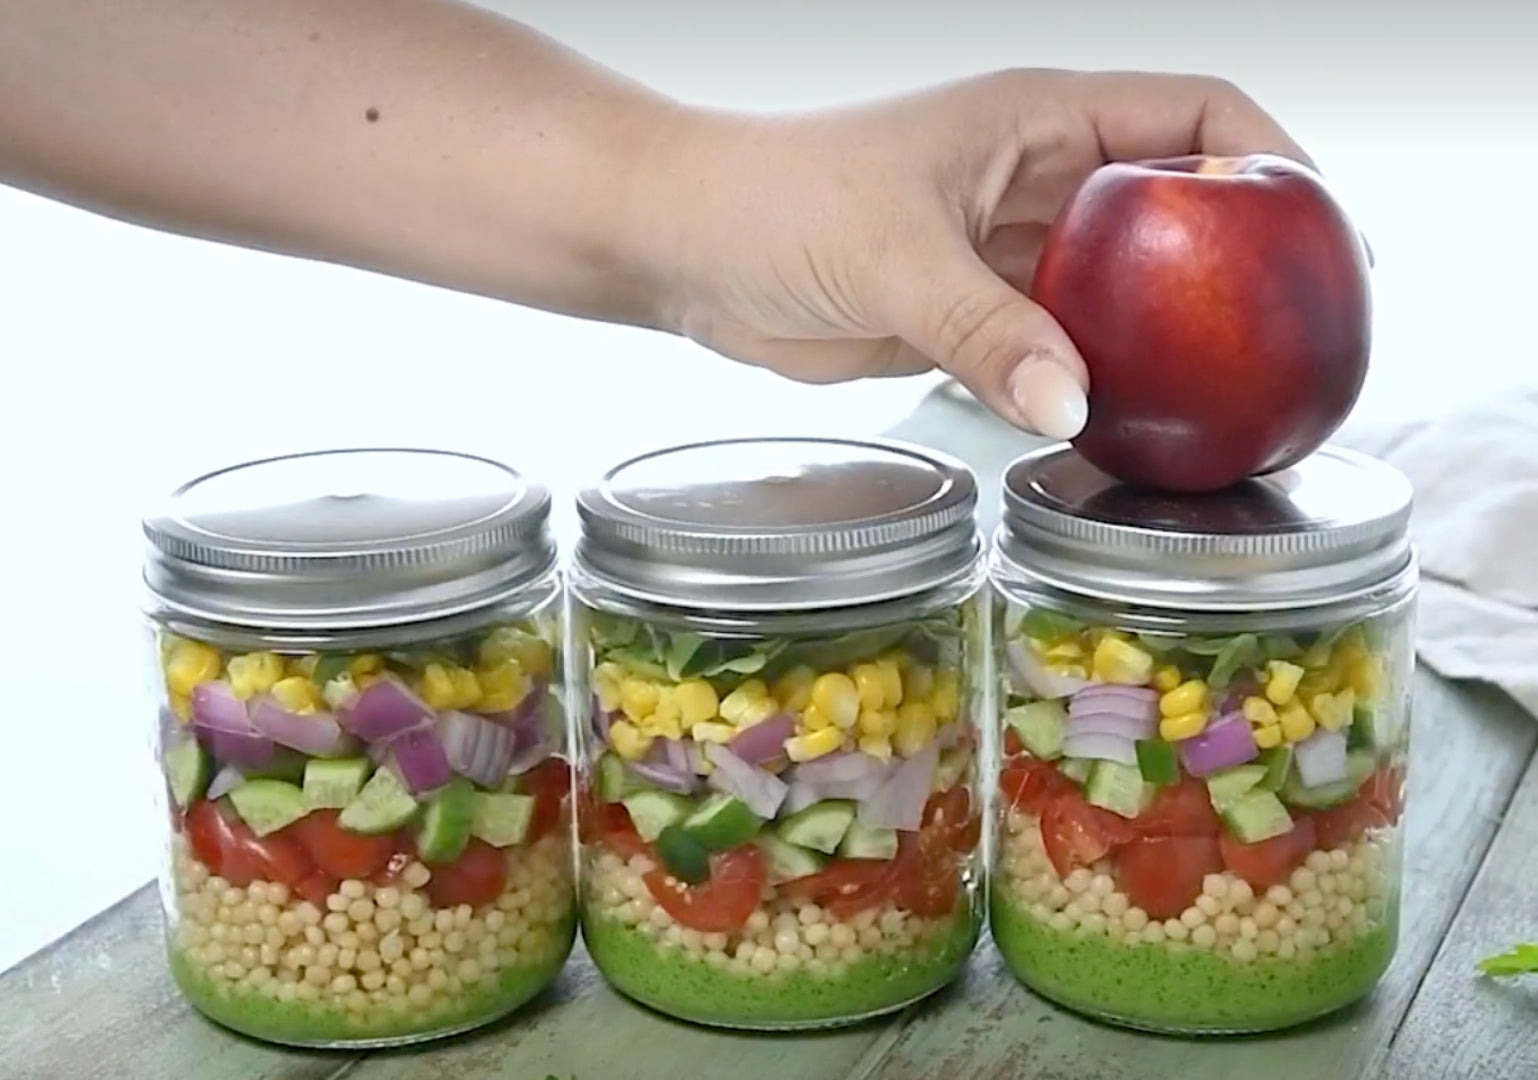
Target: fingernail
{"type": "Point", "coordinates": [1049, 399]}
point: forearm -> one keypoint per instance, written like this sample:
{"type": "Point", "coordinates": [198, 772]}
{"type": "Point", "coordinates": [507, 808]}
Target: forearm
{"type": "Point", "coordinates": [426, 139]}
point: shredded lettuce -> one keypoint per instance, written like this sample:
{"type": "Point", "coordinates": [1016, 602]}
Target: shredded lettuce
{"type": "Point", "coordinates": [1239, 651]}
{"type": "Point", "coordinates": [1043, 623]}
{"type": "Point", "coordinates": [1521, 960]}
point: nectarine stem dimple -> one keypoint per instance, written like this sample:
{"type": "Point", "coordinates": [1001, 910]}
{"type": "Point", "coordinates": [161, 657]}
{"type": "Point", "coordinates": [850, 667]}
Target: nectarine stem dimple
{"type": "Point", "coordinates": [1220, 166]}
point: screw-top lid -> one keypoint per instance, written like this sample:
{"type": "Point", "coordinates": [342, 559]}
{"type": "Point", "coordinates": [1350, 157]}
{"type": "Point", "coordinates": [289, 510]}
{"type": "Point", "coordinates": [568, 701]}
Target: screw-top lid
{"type": "Point", "coordinates": [779, 524]}
{"type": "Point", "coordinates": [1330, 528]}
{"type": "Point", "coordinates": [348, 539]}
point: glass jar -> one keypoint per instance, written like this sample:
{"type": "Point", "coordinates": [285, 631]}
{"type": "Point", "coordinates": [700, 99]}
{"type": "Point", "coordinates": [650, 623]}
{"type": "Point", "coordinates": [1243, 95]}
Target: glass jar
{"type": "Point", "coordinates": [366, 777]}
{"type": "Point", "coordinates": [779, 641]}
{"type": "Point", "coordinates": [1204, 716]}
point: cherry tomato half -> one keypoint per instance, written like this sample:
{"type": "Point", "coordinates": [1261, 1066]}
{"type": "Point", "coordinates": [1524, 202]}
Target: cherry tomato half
{"type": "Point", "coordinates": [550, 783]}
{"type": "Point", "coordinates": [340, 852]}
{"type": "Point", "coordinates": [477, 877]}
{"type": "Point", "coordinates": [1182, 809]}
{"type": "Point", "coordinates": [722, 903]}
{"type": "Point", "coordinates": [1270, 862]}
{"type": "Point", "coordinates": [1078, 834]}
{"type": "Point", "coordinates": [1163, 874]}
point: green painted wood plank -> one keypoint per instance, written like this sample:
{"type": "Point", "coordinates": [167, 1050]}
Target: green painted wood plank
{"type": "Point", "coordinates": [1471, 748]}
{"type": "Point", "coordinates": [99, 1005]}
{"type": "Point", "coordinates": [1462, 1024]}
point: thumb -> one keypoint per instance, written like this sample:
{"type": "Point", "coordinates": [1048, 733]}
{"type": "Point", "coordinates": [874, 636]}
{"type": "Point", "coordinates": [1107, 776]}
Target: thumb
{"type": "Point", "coordinates": [1006, 349]}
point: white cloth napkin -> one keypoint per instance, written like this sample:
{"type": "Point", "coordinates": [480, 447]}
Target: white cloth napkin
{"type": "Point", "coordinates": [1475, 521]}
{"type": "Point", "coordinates": [1476, 525]}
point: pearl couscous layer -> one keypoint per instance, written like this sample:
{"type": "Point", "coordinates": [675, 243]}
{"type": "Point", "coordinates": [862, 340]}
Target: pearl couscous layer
{"type": "Point", "coordinates": [1235, 960]}
{"type": "Point", "coordinates": [380, 964]}
{"type": "Point", "coordinates": [793, 965]}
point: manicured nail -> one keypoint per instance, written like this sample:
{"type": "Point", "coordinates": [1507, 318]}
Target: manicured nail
{"type": "Point", "coordinates": [1049, 399]}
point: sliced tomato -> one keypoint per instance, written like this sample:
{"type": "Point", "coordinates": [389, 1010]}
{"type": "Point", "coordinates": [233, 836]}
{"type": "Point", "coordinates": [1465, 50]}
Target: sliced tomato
{"type": "Point", "coordinates": [316, 887]}
{"type": "Point", "coordinates": [927, 874]}
{"type": "Point", "coordinates": [609, 824]}
{"type": "Point", "coordinates": [1078, 834]}
{"type": "Point", "coordinates": [948, 814]}
{"type": "Point", "coordinates": [722, 903]}
{"type": "Point", "coordinates": [231, 850]}
{"type": "Point", "coordinates": [340, 852]}
{"type": "Point", "coordinates": [279, 857]}
{"type": "Point", "coordinates": [1342, 824]}
{"type": "Point", "coordinates": [1028, 784]}
{"type": "Point", "coordinates": [208, 833]}
{"type": "Point", "coordinates": [1270, 862]}
{"type": "Point", "coordinates": [550, 783]}
{"type": "Point", "coordinates": [477, 877]}
{"type": "Point", "coordinates": [1163, 874]}
{"type": "Point", "coordinates": [1013, 747]}
{"type": "Point", "coordinates": [1181, 809]}
{"type": "Point", "coordinates": [846, 886]}
{"type": "Point", "coordinates": [1385, 790]}
{"type": "Point", "coordinates": [403, 856]}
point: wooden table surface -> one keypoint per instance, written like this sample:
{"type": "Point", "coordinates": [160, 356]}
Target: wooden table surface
{"type": "Point", "coordinates": [99, 1004]}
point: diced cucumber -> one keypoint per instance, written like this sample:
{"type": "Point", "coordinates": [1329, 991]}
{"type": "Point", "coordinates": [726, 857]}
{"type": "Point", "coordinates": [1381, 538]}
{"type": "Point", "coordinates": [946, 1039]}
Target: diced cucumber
{"type": "Point", "coordinates": [1359, 766]}
{"type": "Point", "coordinates": [268, 805]}
{"type": "Point", "coordinates": [332, 784]}
{"type": "Point", "coordinates": [1040, 727]}
{"type": "Point", "coordinates": [652, 811]}
{"type": "Point", "coordinates": [722, 822]}
{"type": "Point", "coordinates": [1278, 763]}
{"type": "Point", "coordinates": [952, 767]}
{"type": "Point", "coordinates": [1227, 786]}
{"type": "Point", "coordinates": [787, 862]}
{"type": "Point", "coordinates": [1076, 769]}
{"type": "Point", "coordinates": [820, 826]}
{"type": "Point", "coordinates": [383, 804]}
{"type": "Point", "coordinates": [1158, 762]}
{"type": "Point", "coordinates": [445, 827]}
{"type": "Point", "coordinates": [1367, 730]}
{"type": "Point", "coordinates": [330, 666]}
{"type": "Point", "coordinates": [1118, 788]}
{"type": "Point", "coordinates": [286, 765]}
{"type": "Point", "coordinates": [188, 771]}
{"type": "Point", "coordinates": [502, 820]}
{"type": "Point", "coordinates": [614, 780]}
{"type": "Point", "coordinates": [1256, 816]}
{"type": "Point", "coordinates": [868, 842]}
{"type": "Point", "coordinates": [682, 855]}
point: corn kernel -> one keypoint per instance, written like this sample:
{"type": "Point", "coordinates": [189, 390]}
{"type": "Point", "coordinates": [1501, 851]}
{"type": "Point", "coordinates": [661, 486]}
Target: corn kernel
{"type": "Point", "coordinates": [506, 684]}
{"type": "Point", "coordinates": [794, 688]}
{"type": "Point", "coordinates": [712, 732]}
{"type": "Point", "coordinates": [877, 746]}
{"type": "Point", "coordinates": [758, 711]}
{"type": "Point", "coordinates": [628, 741]}
{"type": "Point", "coordinates": [891, 680]}
{"type": "Point", "coordinates": [467, 688]}
{"type": "Point", "coordinates": [916, 723]}
{"type": "Point", "coordinates": [1166, 678]}
{"type": "Point", "coordinates": [945, 698]}
{"type": "Point", "coordinates": [867, 681]}
{"type": "Point", "coordinates": [510, 643]}
{"type": "Point", "coordinates": [297, 694]}
{"type": "Point", "coordinates": [1267, 736]}
{"type": "Point", "coordinates": [813, 744]}
{"type": "Point", "coordinates": [1118, 661]}
{"type": "Point", "coordinates": [666, 719]}
{"type": "Point", "coordinates": [181, 705]}
{"type": "Point", "coordinates": [814, 719]}
{"type": "Point", "coordinates": [1333, 711]}
{"type": "Point", "coordinates": [191, 663]}
{"type": "Point", "coordinates": [697, 701]}
{"type": "Point", "coordinates": [836, 695]}
{"type": "Point", "coordinates": [880, 722]}
{"type": "Point", "coordinates": [1282, 681]}
{"type": "Point", "coordinates": [1297, 725]}
{"type": "Point", "coordinates": [1316, 655]}
{"type": "Point", "coordinates": [437, 688]}
{"type": "Point", "coordinates": [746, 701]}
{"type": "Point", "coordinates": [365, 664]}
{"type": "Point", "coordinates": [304, 665]}
{"type": "Point", "coordinates": [918, 681]}
{"type": "Point", "coordinates": [255, 673]}
{"type": "Point", "coordinates": [1259, 711]}
{"type": "Point", "coordinates": [1187, 726]}
{"type": "Point", "coordinates": [1189, 697]}
{"type": "Point", "coordinates": [606, 680]}
{"type": "Point", "coordinates": [1067, 649]}
{"type": "Point", "coordinates": [638, 698]}
{"type": "Point", "coordinates": [1365, 677]}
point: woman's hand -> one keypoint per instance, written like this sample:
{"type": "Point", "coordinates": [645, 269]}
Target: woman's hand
{"type": "Point", "coordinates": [879, 240]}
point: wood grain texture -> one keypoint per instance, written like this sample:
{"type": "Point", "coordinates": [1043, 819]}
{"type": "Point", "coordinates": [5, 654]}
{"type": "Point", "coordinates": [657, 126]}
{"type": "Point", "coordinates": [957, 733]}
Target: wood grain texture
{"type": "Point", "coordinates": [1463, 1024]}
{"type": "Point", "coordinates": [1461, 777]}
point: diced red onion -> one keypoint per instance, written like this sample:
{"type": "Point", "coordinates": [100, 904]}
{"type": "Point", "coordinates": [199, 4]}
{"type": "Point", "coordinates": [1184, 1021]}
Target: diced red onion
{"type": "Point", "coordinates": [1101, 747]}
{"type": "Point", "coordinates": [862, 788]}
{"type": "Point", "coordinates": [602, 720]}
{"type": "Point", "coordinates": [1225, 743]}
{"type": "Point", "coordinates": [1112, 723]}
{"type": "Point", "coordinates": [383, 710]}
{"type": "Point", "coordinates": [528, 714]}
{"type": "Point", "coordinates": [222, 725]}
{"type": "Point", "coordinates": [764, 740]}
{"type": "Point", "coordinates": [526, 757]}
{"type": "Point", "coordinates": [225, 781]}
{"type": "Point", "coordinates": [477, 748]}
{"type": "Point", "coordinates": [1102, 697]}
{"type": "Point", "coordinates": [899, 803]}
{"type": "Point", "coordinates": [839, 766]}
{"type": "Point", "coordinates": [677, 756]}
{"type": "Point", "coordinates": [419, 760]}
{"type": "Point", "coordinates": [1321, 758]}
{"type": "Point", "coordinates": [798, 796]}
{"type": "Point", "coordinates": [1029, 675]}
{"type": "Point", "coordinates": [697, 763]}
{"type": "Point", "coordinates": [317, 734]}
{"type": "Point", "coordinates": [656, 769]}
{"type": "Point", "coordinates": [761, 790]}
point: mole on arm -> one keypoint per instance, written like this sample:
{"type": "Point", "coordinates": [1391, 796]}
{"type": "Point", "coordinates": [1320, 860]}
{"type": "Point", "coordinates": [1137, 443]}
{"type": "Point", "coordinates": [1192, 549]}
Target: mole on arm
{"type": "Point", "coordinates": [371, 114]}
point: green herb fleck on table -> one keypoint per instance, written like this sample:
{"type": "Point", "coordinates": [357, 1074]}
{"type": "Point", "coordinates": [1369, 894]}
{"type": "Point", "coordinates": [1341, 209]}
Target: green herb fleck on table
{"type": "Point", "coordinates": [1522, 960]}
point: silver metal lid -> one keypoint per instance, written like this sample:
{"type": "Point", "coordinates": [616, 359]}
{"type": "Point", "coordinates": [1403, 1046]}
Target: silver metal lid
{"type": "Point", "coordinates": [1333, 527]}
{"type": "Point", "coordinates": [782, 524]}
{"type": "Point", "coordinates": [348, 539]}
